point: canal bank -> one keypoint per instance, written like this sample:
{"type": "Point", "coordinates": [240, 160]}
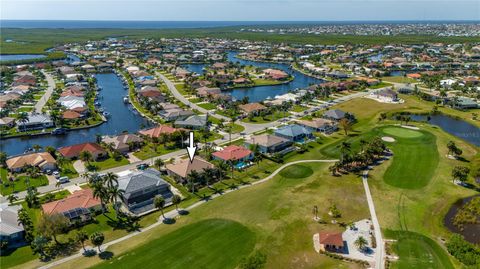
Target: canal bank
{"type": "Point", "coordinates": [123, 118]}
{"type": "Point", "coordinates": [261, 93]}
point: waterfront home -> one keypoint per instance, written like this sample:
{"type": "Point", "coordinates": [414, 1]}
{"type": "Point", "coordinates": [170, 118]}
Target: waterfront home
{"type": "Point", "coordinates": [233, 153]}
{"type": "Point", "coordinates": [158, 131]}
{"type": "Point", "coordinates": [42, 160]}
{"type": "Point", "coordinates": [152, 94]}
{"type": "Point", "coordinates": [294, 133]}
{"type": "Point", "coordinates": [252, 108]}
{"type": "Point", "coordinates": [275, 74]}
{"type": "Point", "coordinates": [194, 122]}
{"type": "Point", "coordinates": [268, 143]}
{"type": "Point", "coordinates": [140, 189]}
{"type": "Point", "coordinates": [25, 80]}
{"type": "Point", "coordinates": [368, 81]}
{"type": "Point", "coordinates": [180, 170]}
{"type": "Point", "coordinates": [11, 231]}
{"type": "Point", "coordinates": [319, 125]}
{"type": "Point", "coordinates": [463, 102]}
{"type": "Point", "coordinates": [174, 114]}
{"type": "Point", "coordinates": [331, 241]}
{"type": "Point", "coordinates": [7, 122]}
{"type": "Point", "coordinates": [123, 143]}
{"type": "Point", "coordinates": [36, 121]}
{"type": "Point", "coordinates": [206, 91]}
{"type": "Point", "coordinates": [77, 207]}
{"type": "Point", "coordinates": [71, 115]}
{"type": "Point", "coordinates": [334, 114]}
{"type": "Point", "coordinates": [74, 151]}
{"type": "Point", "coordinates": [72, 102]}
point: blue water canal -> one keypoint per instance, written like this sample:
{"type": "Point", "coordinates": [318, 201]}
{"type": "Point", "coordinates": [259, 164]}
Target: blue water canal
{"type": "Point", "coordinates": [453, 126]}
{"type": "Point", "coordinates": [257, 94]}
{"type": "Point", "coordinates": [123, 118]}
{"type": "Point", "coordinates": [17, 57]}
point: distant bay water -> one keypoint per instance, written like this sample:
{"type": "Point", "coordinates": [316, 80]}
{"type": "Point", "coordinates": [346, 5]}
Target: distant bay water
{"type": "Point", "coordinates": [71, 24]}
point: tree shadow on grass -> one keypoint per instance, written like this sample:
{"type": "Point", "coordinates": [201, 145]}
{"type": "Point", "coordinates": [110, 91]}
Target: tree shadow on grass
{"type": "Point", "coordinates": [183, 212]}
{"type": "Point", "coordinates": [169, 221]}
{"type": "Point", "coordinates": [105, 255]}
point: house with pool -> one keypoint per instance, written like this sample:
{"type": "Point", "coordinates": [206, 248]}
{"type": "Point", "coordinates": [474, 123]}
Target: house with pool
{"type": "Point", "coordinates": [238, 155]}
{"type": "Point", "coordinates": [294, 133]}
{"type": "Point", "coordinates": [268, 144]}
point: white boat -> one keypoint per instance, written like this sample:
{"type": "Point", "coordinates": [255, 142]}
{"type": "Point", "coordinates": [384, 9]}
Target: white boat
{"type": "Point", "coordinates": [125, 100]}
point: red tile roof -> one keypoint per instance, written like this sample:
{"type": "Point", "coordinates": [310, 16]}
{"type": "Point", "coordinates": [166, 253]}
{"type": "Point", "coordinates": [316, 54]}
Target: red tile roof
{"type": "Point", "coordinates": [332, 239]}
{"type": "Point", "coordinates": [156, 131]}
{"type": "Point", "coordinates": [74, 151]}
{"type": "Point", "coordinates": [70, 114]}
{"type": "Point", "coordinates": [79, 199]}
{"type": "Point", "coordinates": [232, 152]}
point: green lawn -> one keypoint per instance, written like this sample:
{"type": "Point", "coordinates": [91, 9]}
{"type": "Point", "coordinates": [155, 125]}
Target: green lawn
{"type": "Point", "coordinates": [212, 243]}
{"type": "Point", "coordinates": [299, 108]}
{"type": "Point", "coordinates": [268, 118]}
{"type": "Point", "coordinates": [296, 171]}
{"type": "Point", "coordinates": [149, 151]}
{"type": "Point", "coordinates": [417, 251]}
{"type": "Point", "coordinates": [110, 163]}
{"type": "Point", "coordinates": [399, 79]}
{"type": "Point", "coordinates": [207, 106]}
{"type": "Point", "coordinates": [16, 257]}
{"type": "Point", "coordinates": [380, 85]}
{"type": "Point", "coordinates": [415, 158]}
{"type": "Point", "coordinates": [7, 187]}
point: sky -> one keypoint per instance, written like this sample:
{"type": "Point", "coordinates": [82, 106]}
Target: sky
{"type": "Point", "coordinates": [240, 10]}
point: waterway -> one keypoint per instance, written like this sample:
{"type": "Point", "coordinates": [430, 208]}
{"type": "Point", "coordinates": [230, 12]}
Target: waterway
{"type": "Point", "coordinates": [260, 93]}
{"type": "Point", "coordinates": [453, 126]}
{"type": "Point", "coordinates": [123, 118]}
{"type": "Point", "coordinates": [18, 57]}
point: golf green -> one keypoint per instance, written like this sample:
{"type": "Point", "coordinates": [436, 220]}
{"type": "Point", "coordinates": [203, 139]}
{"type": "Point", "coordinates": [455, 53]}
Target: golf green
{"type": "Point", "coordinates": [296, 171]}
{"type": "Point", "coordinates": [212, 243]}
{"type": "Point", "coordinates": [402, 132]}
{"type": "Point", "coordinates": [417, 251]}
{"type": "Point", "coordinates": [415, 158]}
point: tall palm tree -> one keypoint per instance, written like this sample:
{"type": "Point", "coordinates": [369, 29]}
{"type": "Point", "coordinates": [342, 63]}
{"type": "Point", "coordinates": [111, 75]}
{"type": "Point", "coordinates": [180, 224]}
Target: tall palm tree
{"type": "Point", "coordinates": [159, 203]}
{"type": "Point", "coordinates": [110, 179]}
{"type": "Point", "coordinates": [191, 178]}
{"type": "Point", "coordinates": [345, 148]}
{"type": "Point", "coordinates": [176, 199]}
{"type": "Point", "coordinates": [23, 118]}
{"type": "Point", "coordinates": [114, 193]}
{"type": "Point", "coordinates": [86, 156]}
{"type": "Point", "coordinates": [361, 243]}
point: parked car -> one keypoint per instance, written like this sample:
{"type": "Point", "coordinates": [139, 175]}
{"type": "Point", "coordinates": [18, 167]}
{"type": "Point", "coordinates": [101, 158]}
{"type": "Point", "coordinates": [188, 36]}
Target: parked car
{"type": "Point", "coordinates": [56, 174]}
{"type": "Point", "coordinates": [143, 166]}
{"type": "Point", "coordinates": [64, 179]}
{"type": "Point", "coordinates": [49, 172]}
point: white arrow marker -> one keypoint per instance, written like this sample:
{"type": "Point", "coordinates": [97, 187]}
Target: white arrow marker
{"type": "Point", "coordinates": [191, 149]}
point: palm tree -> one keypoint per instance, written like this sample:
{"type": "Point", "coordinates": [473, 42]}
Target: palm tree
{"type": "Point", "coordinates": [345, 148]}
{"type": "Point", "coordinates": [191, 178]}
{"type": "Point", "coordinates": [81, 237]}
{"type": "Point", "coordinates": [22, 118]}
{"type": "Point", "coordinates": [37, 147]}
{"type": "Point", "coordinates": [86, 156]}
{"type": "Point", "coordinates": [176, 199]}
{"type": "Point", "coordinates": [159, 203]}
{"type": "Point", "coordinates": [361, 243]}
{"type": "Point", "coordinates": [110, 179]}
{"type": "Point", "coordinates": [12, 198]}
{"type": "Point", "coordinates": [114, 193]}
{"type": "Point", "coordinates": [346, 125]}
{"type": "Point", "coordinates": [159, 163]}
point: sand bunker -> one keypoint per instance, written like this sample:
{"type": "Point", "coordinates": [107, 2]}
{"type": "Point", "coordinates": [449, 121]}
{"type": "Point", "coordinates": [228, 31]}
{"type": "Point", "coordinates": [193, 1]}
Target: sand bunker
{"type": "Point", "coordinates": [388, 139]}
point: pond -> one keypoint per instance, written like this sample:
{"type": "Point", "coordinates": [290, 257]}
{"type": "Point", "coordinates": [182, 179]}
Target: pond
{"type": "Point", "coordinates": [453, 126]}
{"type": "Point", "coordinates": [17, 57]}
{"type": "Point", "coordinates": [471, 232]}
{"type": "Point", "coordinates": [123, 118]}
{"type": "Point", "coordinates": [257, 94]}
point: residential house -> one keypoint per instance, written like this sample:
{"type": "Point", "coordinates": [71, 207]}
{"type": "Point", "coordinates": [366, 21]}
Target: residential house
{"type": "Point", "coordinates": [42, 160]}
{"type": "Point", "coordinates": [123, 143]}
{"type": "Point", "coordinates": [386, 95]}
{"type": "Point", "coordinates": [174, 114]}
{"type": "Point", "coordinates": [331, 241]}
{"type": "Point", "coordinates": [140, 189]}
{"type": "Point", "coordinates": [233, 153]}
{"type": "Point", "coordinates": [77, 207]}
{"type": "Point", "coordinates": [7, 122]}
{"type": "Point", "coordinates": [253, 108]}
{"type": "Point", "coordinates": [71, 102]}
{"type": "Point", "coordinates": [319, 125]}
{"type": "Point", "coordinates": [275, 74]}
{"type": "Point", "coordinates": [36, 122]}
{"type": "Point", "coordinates": [194, 122]}
{"type": "Point", "coordinates": [158, 130]}
{"type": "Point", "coordinates": [11, 230]}
{"type": "Point", "coordinates": [74, 151]}
{"type": "Point", "coordinates": [268, 143]}
{"type": "Point", "coordinates": [180, 170]}
{"type": "Point", "coordinates": [334, 114]}
{"type": "Point", "coordinates": [294, 133]}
